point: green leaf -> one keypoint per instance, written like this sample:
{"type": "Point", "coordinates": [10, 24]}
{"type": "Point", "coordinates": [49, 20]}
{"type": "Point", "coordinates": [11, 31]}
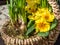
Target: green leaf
{"type": "Point", "coordinates": [43, 3]}
{"type": "Point", "coordinates": [17, 7]}
{"type": "Point", "coordinates": [30, 23]}
{"type": "Point", "coordinates": [43, 34]}
{"type": "Point", "coordinates": [53, 24]}
{"type": "Point", "coordinates": [30, 29]}
{"type": "Point", "coordinates": [50, 9]}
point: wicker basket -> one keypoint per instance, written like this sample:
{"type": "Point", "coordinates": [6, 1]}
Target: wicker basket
{"type": "Point", "coordinates": [50, 40]}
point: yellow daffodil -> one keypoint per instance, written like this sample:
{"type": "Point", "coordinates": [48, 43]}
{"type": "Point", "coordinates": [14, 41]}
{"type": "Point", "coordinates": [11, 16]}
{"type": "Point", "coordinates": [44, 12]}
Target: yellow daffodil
{"type": "Point", "coordinates": [42, 26]}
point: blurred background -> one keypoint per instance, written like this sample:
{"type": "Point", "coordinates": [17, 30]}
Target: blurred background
{"type": "Point", "coordinates": [3, 2]}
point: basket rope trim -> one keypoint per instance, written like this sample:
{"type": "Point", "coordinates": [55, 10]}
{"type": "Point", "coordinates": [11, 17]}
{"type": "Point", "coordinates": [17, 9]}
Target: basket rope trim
{"type": "Point", "coordinates": [55, 8]}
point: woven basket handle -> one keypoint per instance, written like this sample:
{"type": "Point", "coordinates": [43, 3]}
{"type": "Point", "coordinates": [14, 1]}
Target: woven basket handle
{"type": "Point", "coordinates": [55, 8]}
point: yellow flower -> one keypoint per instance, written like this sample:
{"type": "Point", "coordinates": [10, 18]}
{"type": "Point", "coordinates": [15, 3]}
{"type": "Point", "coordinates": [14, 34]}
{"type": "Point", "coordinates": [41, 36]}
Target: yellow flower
{"type": "Point", "coordinates": [30, 9]}
{"type": "Point", "coordinates": [45, 14]}
{"type": "Point", "coordinates": [32, 17]}
{"type": "Point", "coordinates": [42, 19]}
{"type": "Point", "coordinates": [31, 5]}
{"type": "Point", "coordinates": [42, 26]}
{"type": "Point", "coordinates": [42, 10]}
{"type": "Point", "coordinates": [48, 17]}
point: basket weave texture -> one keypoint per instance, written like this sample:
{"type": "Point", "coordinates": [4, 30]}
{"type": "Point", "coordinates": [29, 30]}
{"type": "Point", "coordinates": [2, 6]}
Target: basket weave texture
{"type": "Point", "coordinates": [50, 40]}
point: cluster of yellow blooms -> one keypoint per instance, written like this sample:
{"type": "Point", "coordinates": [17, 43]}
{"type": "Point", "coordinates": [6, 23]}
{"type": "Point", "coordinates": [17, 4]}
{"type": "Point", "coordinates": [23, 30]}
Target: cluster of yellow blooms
{"type": "Point", "coordinates": [31, 5]}
{"type": "Point", "coordinates": [43, 19]}
{"type": "Point", "coordinates": [42, 16]}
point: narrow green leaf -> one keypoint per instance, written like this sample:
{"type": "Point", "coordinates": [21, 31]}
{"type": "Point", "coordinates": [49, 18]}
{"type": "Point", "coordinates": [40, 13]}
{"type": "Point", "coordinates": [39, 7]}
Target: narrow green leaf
{"type": "Point", "coordinates": [42, 3]}
{"type": "Point", "coordinates": [53, 24]}
{"type": "Point", "coordinates": [50, 9]}
{"type": "Point", "coordinates": [43, 34]}
{"type": "Point", "coordinates": [11, 3]}
{"type": "Point", "coordinates": [30, 29]}
{"type": "Point", "coordinates": [30, 23]}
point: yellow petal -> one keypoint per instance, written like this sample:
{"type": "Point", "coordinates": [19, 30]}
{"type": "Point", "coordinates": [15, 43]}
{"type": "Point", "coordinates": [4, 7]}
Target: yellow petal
{"type": "Point", "coordinates": [43, 26]}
